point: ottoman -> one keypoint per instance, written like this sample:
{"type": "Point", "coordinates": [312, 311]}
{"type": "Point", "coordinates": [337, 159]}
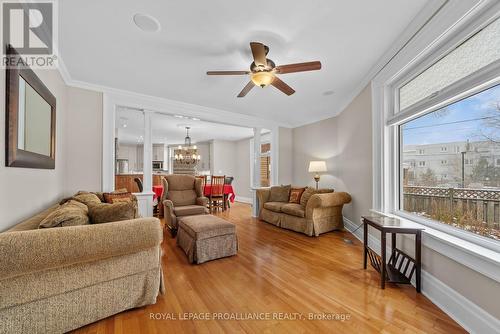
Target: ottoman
{"type": "Point", "coordinates": [206, 237]}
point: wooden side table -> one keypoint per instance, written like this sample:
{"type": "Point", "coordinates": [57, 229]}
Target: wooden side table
{"type": "Point", "coordinates": [400, 267]}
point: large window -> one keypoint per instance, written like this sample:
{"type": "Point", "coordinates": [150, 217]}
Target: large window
{"type": "Point", "coordinates": [449, 169]}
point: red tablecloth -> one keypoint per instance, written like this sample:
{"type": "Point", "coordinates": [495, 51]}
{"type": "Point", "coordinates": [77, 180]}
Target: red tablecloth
{"type": "Point", "coordinates": [158, 190]}
{"type": "Point", "coordinates": [228, 190]}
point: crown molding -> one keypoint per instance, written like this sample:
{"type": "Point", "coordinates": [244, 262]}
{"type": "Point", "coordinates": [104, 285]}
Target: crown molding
{"type": "Point", "coordinates": [131, 99]}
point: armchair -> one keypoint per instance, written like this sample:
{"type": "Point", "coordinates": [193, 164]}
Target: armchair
{"type": "Point", "coordinates": [182, 196]}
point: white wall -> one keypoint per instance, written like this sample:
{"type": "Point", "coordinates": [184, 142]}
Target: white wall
{"type": "Point", "coordinates": [26, 191]}
{"type": "Point", "coordinates": [241, 183]}
{"type": "Point", "coordinates": [285, 164]}
{"type": "Point", "coordinates": [344, 142]}
{"type": "Point", "coordinates": [223, 157]}
{"type": "Point", "coordinates": [206, 159]}
{"type": "Point", "coordinates": [83, 141]}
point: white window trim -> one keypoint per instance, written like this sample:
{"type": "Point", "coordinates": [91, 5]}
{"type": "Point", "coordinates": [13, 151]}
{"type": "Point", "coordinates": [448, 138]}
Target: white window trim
{"type": "Point", "coordinates": [455, 21]}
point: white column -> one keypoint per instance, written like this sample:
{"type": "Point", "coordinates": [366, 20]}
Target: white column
{"type": "Point", "coordinates": [145, 199]}
{"type": "Point", "coordinates": [148, 154]}
{"type": "Point", "coordinates": [256, 157]}
{"type": "Point", "coordinates": [256, 169]}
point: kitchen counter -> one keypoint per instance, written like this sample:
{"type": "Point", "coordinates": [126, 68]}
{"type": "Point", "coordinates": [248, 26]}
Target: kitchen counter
{"type": "Point", "coordinates": [126, 180]}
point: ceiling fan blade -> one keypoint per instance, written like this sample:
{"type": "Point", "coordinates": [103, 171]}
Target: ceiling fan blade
{"type": "Point", "coordinates": [246, 89]}
{"type": "Point", "coordinates": [259, 53]}
{"type": "Point", "coordinates": [278, 83]}
{"type": "Point", "coordinates": [227, 72]}
{"type": "Point", "coordinates": [299, 67]}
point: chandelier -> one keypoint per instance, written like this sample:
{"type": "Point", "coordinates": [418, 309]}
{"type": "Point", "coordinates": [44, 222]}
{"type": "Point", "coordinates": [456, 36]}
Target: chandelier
{"type": "Point", "coordinates": [187, 154]}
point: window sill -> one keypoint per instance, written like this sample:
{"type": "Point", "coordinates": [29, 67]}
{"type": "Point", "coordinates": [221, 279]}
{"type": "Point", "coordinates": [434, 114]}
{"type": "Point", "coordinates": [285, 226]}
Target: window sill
{"type": "Point", "coordinates": [474, 256]}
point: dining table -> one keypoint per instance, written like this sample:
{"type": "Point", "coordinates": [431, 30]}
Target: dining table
{"type": "Point", "coordinates": [158, 190]}
{"type": "Point", "coordinates": [228, 191]}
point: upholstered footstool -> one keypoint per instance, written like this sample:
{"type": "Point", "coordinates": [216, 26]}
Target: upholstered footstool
{"type": "Point", "coordinates": [206, 237]}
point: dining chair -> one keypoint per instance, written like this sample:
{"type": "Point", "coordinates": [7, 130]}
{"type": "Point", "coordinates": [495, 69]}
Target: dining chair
{"type": "Point", "coordinates": [216, 198]}
{"type": "Point", "coordinates": [228, 180]}
{"type": "Point", "coordinates": [138, 181]}
{"type": "Point", "coordinates": [203, 179]}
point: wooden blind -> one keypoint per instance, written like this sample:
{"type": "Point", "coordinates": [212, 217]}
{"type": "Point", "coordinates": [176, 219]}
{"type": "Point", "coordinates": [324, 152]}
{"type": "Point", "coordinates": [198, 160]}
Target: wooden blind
{"type": "Point", "coordinates": [265, 162]}
{"type": "Point", "coordinates": [265, 148]}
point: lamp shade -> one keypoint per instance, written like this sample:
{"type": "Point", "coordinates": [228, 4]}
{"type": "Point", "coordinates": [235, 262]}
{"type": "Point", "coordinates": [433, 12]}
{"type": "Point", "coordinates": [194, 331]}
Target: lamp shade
{"type": "Point", "coordinates": [262, 78]}
{"type": "Point", "coordinates": [317, 166]}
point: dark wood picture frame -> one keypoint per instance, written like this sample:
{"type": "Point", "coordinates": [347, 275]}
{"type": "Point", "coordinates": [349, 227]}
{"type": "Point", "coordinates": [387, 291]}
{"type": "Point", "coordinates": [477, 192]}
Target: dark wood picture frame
{"type": "Point", "coordinates": [15, 157]}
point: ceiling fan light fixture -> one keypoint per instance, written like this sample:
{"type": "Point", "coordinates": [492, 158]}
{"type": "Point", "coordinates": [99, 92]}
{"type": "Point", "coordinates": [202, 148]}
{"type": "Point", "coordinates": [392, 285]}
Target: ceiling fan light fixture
{"type": "Point", "coordinates": [262, 78]}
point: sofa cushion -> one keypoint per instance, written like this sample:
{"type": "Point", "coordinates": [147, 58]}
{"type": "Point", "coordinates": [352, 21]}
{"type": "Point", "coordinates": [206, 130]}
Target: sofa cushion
{"type": "Point", "coordinates": [71, 213]}
{"type": "Point", "coordinates": [295, 195]}
{"type": "Point", "coordinates": [280, 193]}
{"type": "Point", "coordinates": [306, 195]}
{"type": "Point", "coordinates": [189, 210]}
{"type": "Point", "coordinates": [180, 182]}
{"type": "Point", "coordinates": [87, 198]}
{"type": "Point", "coordinates": [274, 206]}
{"type": "Point", "coordinates": [182, 197]}
{"type": "Point", "coordinates": [106, 212]}
{"type": "Point", "coordinates": [206, 226]}
{"type": "Point", "coordinates": [294, 210]}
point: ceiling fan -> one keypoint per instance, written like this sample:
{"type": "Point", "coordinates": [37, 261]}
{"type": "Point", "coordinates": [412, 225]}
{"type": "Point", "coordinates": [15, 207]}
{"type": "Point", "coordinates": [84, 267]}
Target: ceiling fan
{"type": "Point", "coordinates": [263, 71]}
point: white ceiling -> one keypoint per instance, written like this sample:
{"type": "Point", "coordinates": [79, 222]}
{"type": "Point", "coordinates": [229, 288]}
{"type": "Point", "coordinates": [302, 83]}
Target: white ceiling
{"type": "Point", "coordinates": [100, 44]}
{"type": "Point", "coordinates": [168, 129]}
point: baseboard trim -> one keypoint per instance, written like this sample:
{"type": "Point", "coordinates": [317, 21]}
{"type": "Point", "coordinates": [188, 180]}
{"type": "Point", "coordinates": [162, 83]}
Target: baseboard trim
{"type": "Point", "coordinates": [247, 200]}
{"type": "Point", "coordinates": [467, 314]}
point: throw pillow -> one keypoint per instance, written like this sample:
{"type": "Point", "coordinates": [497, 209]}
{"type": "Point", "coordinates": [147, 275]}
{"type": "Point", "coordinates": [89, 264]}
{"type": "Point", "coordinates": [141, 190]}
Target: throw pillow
{"type": "Point", "coordinates": [71, 213]}
{"type": "Point", "coordinates": [87, 198]}
{"type": "Point", "coordinates": [106, 212]}
{"type": "Point", "coordinates": [295, 195]}
{"type": "Point", "coordinates": [99, 194]}
{"type": "Point", "coordinates": [280, 193]}
{"type": "Point", "coordinates": [306, 195]}
{"type": "Point", "coordinates": [117, 197]}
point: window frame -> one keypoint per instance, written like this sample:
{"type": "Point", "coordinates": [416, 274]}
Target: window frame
{"type": "Point", "coordinates": [387, 122]}
{"type": "Point", "coordinates": [266, 155]}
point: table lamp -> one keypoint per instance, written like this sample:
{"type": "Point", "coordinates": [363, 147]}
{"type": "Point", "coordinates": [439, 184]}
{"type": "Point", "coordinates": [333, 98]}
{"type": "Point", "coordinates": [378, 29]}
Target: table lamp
{"type": "Point", "coordinates": [317, 167]}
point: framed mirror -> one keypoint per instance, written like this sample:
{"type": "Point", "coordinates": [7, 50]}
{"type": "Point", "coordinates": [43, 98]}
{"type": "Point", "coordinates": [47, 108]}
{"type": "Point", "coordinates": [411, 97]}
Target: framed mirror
{"type": "Point", "coordinates": [31, 119]}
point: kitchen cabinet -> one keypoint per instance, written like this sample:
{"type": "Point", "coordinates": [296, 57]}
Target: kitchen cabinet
{"type": "Point", "coordinates": [158, 152]}
{"type": "Point", "coordinates": [127, 181]}
{"type": "Point", "coordinates": [122, 152]}
{"type": "Point", "coordinates": [140, 157]}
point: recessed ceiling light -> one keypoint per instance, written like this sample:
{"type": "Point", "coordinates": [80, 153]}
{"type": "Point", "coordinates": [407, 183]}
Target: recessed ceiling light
{"type": "Point", "coordinates": [146, 22]}
{"type": "Point", "coordinates": [178, 116]}
{"type": "Point", "coordinates": [195, 119]}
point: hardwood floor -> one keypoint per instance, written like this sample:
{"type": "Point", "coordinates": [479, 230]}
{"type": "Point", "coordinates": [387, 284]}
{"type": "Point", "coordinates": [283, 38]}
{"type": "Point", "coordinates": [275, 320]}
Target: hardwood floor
{"type": "Point", "coordinates": [279, 273]}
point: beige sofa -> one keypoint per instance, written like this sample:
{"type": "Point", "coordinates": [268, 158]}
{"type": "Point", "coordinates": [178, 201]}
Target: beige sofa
{"type": "Point", "coordinates": [54, 280]}
{"type": "Point", "coordinates": [182, 196]}
{"type": "Point", "coordinates": [320, 212]}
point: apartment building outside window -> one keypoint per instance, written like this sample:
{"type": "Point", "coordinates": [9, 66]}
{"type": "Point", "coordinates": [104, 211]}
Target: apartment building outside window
{"type": "Point", "coordinates": [461, 189]}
